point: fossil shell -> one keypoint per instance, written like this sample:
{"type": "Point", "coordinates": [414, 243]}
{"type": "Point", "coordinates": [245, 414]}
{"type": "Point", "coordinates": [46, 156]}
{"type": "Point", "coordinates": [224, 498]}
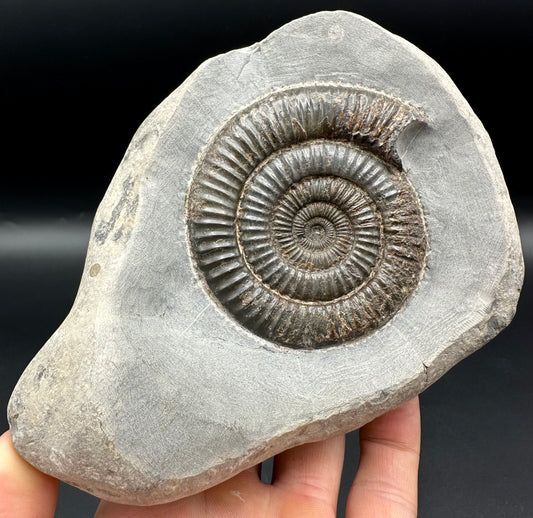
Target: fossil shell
{"type": "Point", "coordinates": [305, 234]}
{"type": "Point", "coordinates": [300, 218]}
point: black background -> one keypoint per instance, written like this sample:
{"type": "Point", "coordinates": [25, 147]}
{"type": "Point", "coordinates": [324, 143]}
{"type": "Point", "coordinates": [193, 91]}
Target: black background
{"type": "Point", "coordinates": [78, 77]}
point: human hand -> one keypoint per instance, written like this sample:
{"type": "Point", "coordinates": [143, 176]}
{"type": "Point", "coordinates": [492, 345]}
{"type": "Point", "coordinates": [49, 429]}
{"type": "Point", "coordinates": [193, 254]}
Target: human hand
{"type": "Point", "coordinates": [305, 482]}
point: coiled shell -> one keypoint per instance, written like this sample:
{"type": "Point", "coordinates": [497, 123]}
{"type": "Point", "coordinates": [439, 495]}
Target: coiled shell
{"type": "Point", "coordinates": [301, 221]}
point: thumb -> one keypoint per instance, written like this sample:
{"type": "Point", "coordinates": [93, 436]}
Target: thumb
{"type": "Point", "coordinates": [25, 492]}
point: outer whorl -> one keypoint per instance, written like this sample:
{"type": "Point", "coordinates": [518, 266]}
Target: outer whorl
{"type": "Point", "coordinates": [301, 220]}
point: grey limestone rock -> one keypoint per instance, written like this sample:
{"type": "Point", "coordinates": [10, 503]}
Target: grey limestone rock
{"type": "Point", "coordinates": [305, 234]}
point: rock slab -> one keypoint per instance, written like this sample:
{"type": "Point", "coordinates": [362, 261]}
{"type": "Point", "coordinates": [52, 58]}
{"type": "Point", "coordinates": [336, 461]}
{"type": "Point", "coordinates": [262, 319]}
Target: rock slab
{"type": "Point", "coordinates": [305, 234]}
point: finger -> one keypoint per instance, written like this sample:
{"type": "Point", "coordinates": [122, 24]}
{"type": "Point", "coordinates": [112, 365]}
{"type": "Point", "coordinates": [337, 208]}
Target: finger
{"type": "Point", "coordinates": [24, 491]}
{"type": "Point", "coordinates": [242, 495]}
{"type": "Point", "coordinates": [386, 483]}
{"type": "Point", "coordinates": [234, 497]}
{"type": "Point", "coordinates": [312, 470]}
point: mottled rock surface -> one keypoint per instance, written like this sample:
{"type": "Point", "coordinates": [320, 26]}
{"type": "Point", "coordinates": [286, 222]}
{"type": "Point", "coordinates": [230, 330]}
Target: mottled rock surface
{"type": "Point", "coordinates": [305, 234]}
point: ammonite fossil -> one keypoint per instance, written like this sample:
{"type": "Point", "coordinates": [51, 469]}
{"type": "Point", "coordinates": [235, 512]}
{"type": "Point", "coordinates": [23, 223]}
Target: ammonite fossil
{"type": "Point", "coordinates": [301, 219]}
{"type": "Point", "coordinates": [304, 235]}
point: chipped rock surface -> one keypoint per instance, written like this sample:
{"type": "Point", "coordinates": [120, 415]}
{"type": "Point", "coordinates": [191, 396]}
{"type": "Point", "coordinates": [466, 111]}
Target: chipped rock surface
{"type": "Point", "coordinates": [353, 160]}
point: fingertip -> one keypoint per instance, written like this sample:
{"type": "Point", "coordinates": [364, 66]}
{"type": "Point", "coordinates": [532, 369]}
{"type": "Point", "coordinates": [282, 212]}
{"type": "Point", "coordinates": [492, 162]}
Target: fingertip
{"type": "Point", "coordinates": [25, 492]}
{"type": "Point", "coordinates": [400, 428]}
{"type": "Point", "coordinates": [386, 483]}
{"type": "Point", "coordinates": [312, 471]}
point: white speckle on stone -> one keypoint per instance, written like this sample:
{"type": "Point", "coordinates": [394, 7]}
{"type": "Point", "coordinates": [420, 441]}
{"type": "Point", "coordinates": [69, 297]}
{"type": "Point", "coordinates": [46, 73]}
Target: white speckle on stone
{"type": "Point", "coordinates": [335, 33]}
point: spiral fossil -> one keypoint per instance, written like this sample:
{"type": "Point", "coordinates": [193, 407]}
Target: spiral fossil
{"type": "Point", "coordinates": [300, 219]}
